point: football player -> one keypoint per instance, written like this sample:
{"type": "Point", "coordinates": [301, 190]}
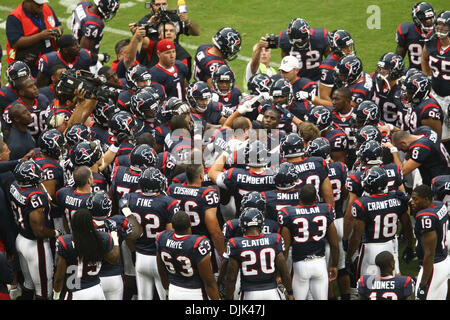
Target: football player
{"type": "Point", "coordinates": [184, 262]}
{"type": "Point", "coordinates": [8, 93]}
{"type": "Point", "coordinates": [440, 185]}
{"type": "Point", "coordinates": [386, 286]}
{"type": "Point", "coordinates": [154, 211]}
{"type": "Point", "coordinates": [410, 36]}
{"type": "Point", "coordinates": [50, 90]}
{"type": "Point", "coordinates": [376, 219]}
{"type": "Point", "coordinates": [258, 257]}
{"type": "Point", "coordinates": [31, 210]}
{"type": "Point", "coordinates": [83, 264]}
{"type": "Point", "coordinates": [308, 45]}
{"type": "Point", "coordinates": [203, 108]}
{"type": "Point", "coordinates": [311, 170]}
{"type": "Point", "coordinates": [144, 105]}
{"type": "Point", "coordinates": [208, 58]}
{"type": "Point", "coordinates": [307, 227]}
{"type": "Point", "coordinates": [225, 91]}
{"type": "Point", "coordinates": [434, 61]}
{"type": "Point", "coordinates": [431, 231]}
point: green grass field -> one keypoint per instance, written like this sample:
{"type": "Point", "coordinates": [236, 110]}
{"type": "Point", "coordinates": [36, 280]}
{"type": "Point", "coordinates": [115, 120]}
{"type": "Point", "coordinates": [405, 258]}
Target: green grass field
{"type": "Point", "coordinates": [255, 18]}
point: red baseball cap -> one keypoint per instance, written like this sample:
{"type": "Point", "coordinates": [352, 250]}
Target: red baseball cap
{"type": "Point", "coordinates": [165, 45]}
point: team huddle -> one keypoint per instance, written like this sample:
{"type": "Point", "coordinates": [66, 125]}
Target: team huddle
{"type": "Point", "coordinates": [137, 182]}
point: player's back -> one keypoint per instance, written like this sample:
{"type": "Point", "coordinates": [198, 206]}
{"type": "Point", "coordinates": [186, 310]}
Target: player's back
{"type": "Point", "coordinates": [385, 288]}
{"type": "Point", "coordinates": [231, 228]}
{"type": "Point", "coordinates": [410, 38]}
{"type": "Point", "coordinates": [277, 199]}
{"type": "Point", "coordinates": [88, 24]}
{"type": "Point", "coordinates": [69, 200]}
{"type": "Point", "coordinates": [205, 63]}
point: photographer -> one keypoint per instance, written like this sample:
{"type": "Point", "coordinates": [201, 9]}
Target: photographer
{"type": "Point", "coordinates": [260, 62]}
{"type": "Point", "coordinates": [31, 30]}
{"type": "Point", "coordinates": [159, 13]}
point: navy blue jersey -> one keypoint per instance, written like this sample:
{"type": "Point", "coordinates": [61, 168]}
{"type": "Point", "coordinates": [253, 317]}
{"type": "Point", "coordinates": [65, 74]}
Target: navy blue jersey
{"type": "Point", "coordinates": [205, 63]}
{"type": "Point", "coordinates": [123, 227]}
{"type": "Point", "coordinates": [277, 199]}
{"type": "Point", "coordinates": [427, 109]}
{"type": "Point", "coordinates": [389, 102]}
{"type": "Point", "coordinates": [326, 68]}
{"type": "Point", "coordinates": [231, 228]}
{"type": "Point", "coordinates": [394, 173]}
{"type": "Point", "coordinates": [124, 100]}
{"type": "Point", "coordinates": [380, 214]}
{"type": "Point", "coordinates": [123, 181]}
{"type": "Point", "coordinates": [7, 95]}
{"type": "Point", "coordinates": [143, 126]}
{"type": "Point", "coordinates": [337, 138]}
{"type": "Point", "coordinates": [69, 200]}
{"type": "Point", "coordinates": [434, 218]}
{"type": "Point", "coordinates": [181, 255]}
{"type": "Point", "coordinates": [311, 170]}
{"type": "Point", "coordinates": [172, 81]}
{"type": "Point", "coordinates": [87, 24]}
{"type": "Point", "coordinates": [179, 147]}
{"type": "Point", "coordinates": [441, 188]}
{"type": "Point", "coordinates": [241, 181]}
{"type": "Point", "coordinates": [82, 62]}
{"type": "Point", "coordinates": [195, 201]}
{"type": "Point", "coordinates": [256, 257]}
{"type": "Point", "coordinates": [431, 154]}
{"type": "Point", "coordinates": [23, 201]}
{"type": "Point", "coordinates": [310, 57]}
{"type": "Point", "coordinates": [385, 288]}
{"type": "Point", "coordinates": [86, 274]}
{"type": "Point", "coordinates": [49, 92]}
{"type": "Point", "coordinates": [338, 176]}
{"type": "Point", "coordinates": [439, 61]}
{"type": "Point", "coordinates": [231, 100]}
{"type": "Point", "coordinates": [409, 37]}
{"type": "Point", "coordinates": [297, 108]}
{"type": "Point", "coordinates": [162, 130]}
{"type": "Point", "coordinates": [304, 84]}
{"type": "Point", "coordinates": [38, 110]}
{"type": "Point", "coordinates": [102, 134]}
{"type": "Point", "coordinates": [345, 123]}
{"type": "Point", "coordinates": [308, 226]}
{"type": "Point", "coordinates": [362, 89]}
{"type": "Point", "coordinates": [100, 182]}
{"type": "Point", "coordinates": [212, 114]}
{"type": "Point", "coordinates": [181, 178]}
{"type": "Point", "coordinates": [52, 170]}
{"type": "Point", "coordinates": [153, 213]}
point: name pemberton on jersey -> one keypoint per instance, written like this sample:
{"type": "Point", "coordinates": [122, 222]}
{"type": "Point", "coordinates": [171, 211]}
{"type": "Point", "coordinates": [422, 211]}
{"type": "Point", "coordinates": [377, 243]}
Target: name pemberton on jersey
{"type": "Point", "coordinates": [254, 180]}
{"type": "Point", "coordinates": [380, 205]}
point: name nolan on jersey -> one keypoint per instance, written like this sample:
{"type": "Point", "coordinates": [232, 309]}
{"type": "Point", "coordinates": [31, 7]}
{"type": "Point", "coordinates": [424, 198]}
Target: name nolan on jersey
{"type": "Point", "coordinates": [379, 205]}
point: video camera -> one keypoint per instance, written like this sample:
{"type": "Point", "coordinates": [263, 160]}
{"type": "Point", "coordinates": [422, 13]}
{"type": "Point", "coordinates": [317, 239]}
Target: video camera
{"type": "Point", "coordinates": [272, 40]}
{"type": "Point", "coordinates": [95, 87]}
{"type": "Point", "coordinates": [161, 16]}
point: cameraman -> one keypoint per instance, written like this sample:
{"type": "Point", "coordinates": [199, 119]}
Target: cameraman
{"type": "Point", "coordinates": [260, 62]}
{"type": "Point", "coordinates": [182, 23]}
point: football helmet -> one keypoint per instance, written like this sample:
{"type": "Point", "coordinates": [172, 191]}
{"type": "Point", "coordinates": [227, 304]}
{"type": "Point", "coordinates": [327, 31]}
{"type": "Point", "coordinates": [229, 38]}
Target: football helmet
{"type": "Point", "coordinates": [254, 199]}
{"type": "Point", "coordinates": [348, 70]}
{"type": "Point", "coordinates": [366, 133]}
{"type": "Point", "coordinates": [107, 8]}
{"type": "Point", "coordinates": [103, 112]}
{"type": "Point", "coordinates": [374, 180]}
{"type": "Point", "coordinates": [142, 157]}
{"type": "Point", "coordinates": [135, 74]}
{"type": "Point", "coordinates": [17, 69]}
{"type": "Point", "coordinates": [51, 143]}
{"type": "Point", "coordinates": [299, 33]}
{"type": "Point", "coordinates": [28, 173]}
{"type": "Point", "coordinates": [281, 93]}
{"type": "Point", "coordinates": [370, 152]}
{"type": "Point", "coordinates": [319, 147]}
{"type": "Point", "coordinates": [251, 217]}
{"type": "Point", "coordinates": [415, 88]}
{"type": "Point", "coordinates": [292, 146]}
{"type": "Point", "coordinates": [223, 74]}
{"type": "Point", "coordinates": [286, 177]}
{"type": "Point", "coordinates": [171, 107]}
{"type": "Point", "coordinates": [321, 117]}
{"type": "Point", "coordinates": [77, 133]}
{"type": "Point", "coordinates": [86, 153]}
{"type": "Point", "coordinates": [421, 12]}
{"type": "Point", "coordinates": [198, 91]}
{"type": "Point", "coordinates": [256, 154]}
{"type": "Point", "coordinates": [339, 40]}
{"type": "Point", "coordinates": [152, 181]}
{"type": "Point", "coordinates": [145, 104]}
{"type": "Point", "coordinates": [366, 113]}
{"type": "Point", "coordinates": [57, 116]}
{"type": "Point", "coordinates": [121, 121]}
{"type": "Point", "coordinates": [259, 83]}
{"type": "Point", "coordinates": [100, 205]}
{"type": "Point", "coordinates": [390, 67]}
{"type": "Point", "coordinates": [442, 18]}
{"type": "Point", "coordinates": [228, 41]}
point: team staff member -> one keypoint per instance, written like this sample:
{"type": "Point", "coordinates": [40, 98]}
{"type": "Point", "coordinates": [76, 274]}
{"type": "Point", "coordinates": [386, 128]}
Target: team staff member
{"type": "Point", "coordinates": [31, 30]}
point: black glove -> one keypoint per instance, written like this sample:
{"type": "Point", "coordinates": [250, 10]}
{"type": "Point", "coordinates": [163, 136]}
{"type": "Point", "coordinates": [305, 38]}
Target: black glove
{"type": "Point", "coordinates": [121, 137]}
{"type": "Point", "coordinates": [422, 292]}
{"type": "Point", "coordinates": [408, 255]}
{"type": "Point", "coordinates": [106, 57]}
